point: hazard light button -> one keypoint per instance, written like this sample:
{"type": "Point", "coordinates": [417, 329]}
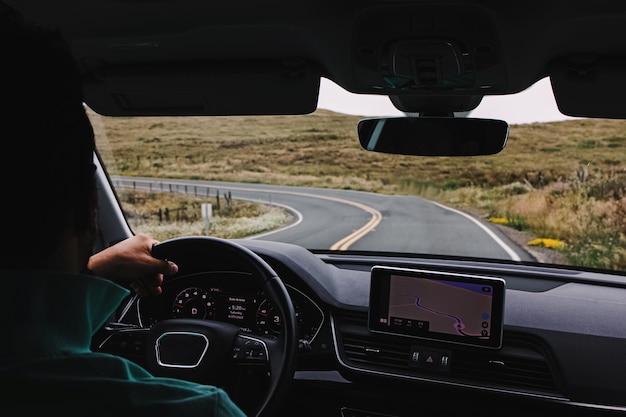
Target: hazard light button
{"type": "Point", "coordinates": [431, 359]}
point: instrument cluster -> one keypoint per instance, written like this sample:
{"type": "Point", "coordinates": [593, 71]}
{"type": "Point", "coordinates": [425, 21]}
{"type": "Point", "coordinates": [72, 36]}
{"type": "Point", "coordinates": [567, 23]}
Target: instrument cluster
{"type": "Point", "coordinates": [231, 297]}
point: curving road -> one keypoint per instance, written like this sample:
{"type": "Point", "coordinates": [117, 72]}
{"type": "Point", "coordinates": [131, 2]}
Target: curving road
{"type": "Point", "coordinates": [355, 220]}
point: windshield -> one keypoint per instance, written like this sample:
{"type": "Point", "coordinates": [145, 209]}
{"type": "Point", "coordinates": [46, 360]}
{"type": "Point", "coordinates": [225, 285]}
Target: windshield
{"type": "Point", "coordinates": [554, 195]}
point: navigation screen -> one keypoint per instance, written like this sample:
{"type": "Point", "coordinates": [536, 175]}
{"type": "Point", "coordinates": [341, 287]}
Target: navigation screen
{"type": "Point", "coordinates": [449, 307]}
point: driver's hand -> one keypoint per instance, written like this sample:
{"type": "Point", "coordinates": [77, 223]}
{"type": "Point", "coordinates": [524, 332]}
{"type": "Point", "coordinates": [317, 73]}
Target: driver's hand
{"type": "Point", "coordinates": [130, 262]}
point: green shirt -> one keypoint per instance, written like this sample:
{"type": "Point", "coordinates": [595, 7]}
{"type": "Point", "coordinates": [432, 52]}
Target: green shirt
{"type": "Point", "coordinates": [46, 364]}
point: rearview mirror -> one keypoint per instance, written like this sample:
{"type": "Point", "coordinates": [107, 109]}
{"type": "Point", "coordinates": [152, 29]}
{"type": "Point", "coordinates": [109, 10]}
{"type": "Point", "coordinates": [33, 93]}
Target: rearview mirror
{"type": "Point", "coordinates": [433, 136]}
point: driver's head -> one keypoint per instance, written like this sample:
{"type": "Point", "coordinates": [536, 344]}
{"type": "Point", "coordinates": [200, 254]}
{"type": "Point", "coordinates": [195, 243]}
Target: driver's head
{"type": "Point", "coordinates": [48, 181]}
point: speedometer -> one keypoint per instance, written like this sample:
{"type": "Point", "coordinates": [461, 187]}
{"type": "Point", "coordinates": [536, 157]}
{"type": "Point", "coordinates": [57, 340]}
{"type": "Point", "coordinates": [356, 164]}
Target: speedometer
{"type": "Point", "coordinates": [194, 303]}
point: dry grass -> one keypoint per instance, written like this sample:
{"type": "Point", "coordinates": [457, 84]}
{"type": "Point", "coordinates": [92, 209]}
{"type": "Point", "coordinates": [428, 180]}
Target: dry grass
{"type": "Point", "coordinates": [561, 180]}
{"type": "Point", "coordinates": [168, 215]}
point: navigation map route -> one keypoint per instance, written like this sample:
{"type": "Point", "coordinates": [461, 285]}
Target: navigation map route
{"type": "Point", "coordinates": [434, 306]}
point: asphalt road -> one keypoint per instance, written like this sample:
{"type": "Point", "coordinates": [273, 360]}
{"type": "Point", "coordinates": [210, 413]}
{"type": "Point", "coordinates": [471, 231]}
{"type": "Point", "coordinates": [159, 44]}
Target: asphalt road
{"type": "Point", "coordinates": [345, 219]}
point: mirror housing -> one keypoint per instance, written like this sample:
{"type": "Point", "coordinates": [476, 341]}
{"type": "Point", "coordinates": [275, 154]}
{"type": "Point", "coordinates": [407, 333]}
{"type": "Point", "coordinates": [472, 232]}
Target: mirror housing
{"type": "Point", "coordinates": [433, 136]}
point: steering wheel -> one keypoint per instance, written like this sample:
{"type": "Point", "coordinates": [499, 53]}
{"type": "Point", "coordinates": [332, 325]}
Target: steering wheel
{"type": "Point", "coordinates": [218, 353]}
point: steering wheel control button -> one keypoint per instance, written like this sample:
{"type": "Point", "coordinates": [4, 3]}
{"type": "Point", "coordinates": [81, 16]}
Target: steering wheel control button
{"type": "Point", "coordinates": [181, 349]}
{"type": "Point", "coordinates": [125, 342]}
{"type": "Point", "coordinates": [430, 359]}
{"type": "Point", "coordinates": [250, 351]}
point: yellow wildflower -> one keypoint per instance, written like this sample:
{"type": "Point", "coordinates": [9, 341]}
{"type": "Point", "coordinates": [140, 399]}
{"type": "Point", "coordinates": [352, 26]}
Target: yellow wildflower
{"type": "Point", "coordinates": [547, 243]}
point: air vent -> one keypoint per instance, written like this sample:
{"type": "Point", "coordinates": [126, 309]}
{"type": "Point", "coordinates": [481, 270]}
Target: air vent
{"type": "Point", "coordinates": [520, 365]}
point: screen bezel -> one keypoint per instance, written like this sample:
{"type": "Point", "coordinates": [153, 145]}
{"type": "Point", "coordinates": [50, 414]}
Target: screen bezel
{"type": "Point", "coordinates": [379, 299]}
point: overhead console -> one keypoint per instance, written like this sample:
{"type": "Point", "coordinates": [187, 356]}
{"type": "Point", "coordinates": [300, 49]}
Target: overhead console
{"type": "Point", "coordinates": [427, 50]}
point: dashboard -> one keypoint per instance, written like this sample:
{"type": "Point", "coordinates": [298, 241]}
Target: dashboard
{"type": "Point", "coordinates": [562, 344]}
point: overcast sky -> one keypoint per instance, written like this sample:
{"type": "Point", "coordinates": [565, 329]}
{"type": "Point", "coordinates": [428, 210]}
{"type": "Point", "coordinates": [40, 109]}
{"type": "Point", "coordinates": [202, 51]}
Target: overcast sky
{"type": "Point", "coordinates": [535, 104]}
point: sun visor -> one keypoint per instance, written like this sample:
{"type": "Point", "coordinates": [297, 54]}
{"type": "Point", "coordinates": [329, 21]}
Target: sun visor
{"type": "Point", "coordinates": [590, 86]}
{"type": "Point", "coordinates": [250, 88]}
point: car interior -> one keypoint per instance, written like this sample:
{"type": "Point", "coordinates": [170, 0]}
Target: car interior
{"type": "Point", "coordinates": [342, 313]}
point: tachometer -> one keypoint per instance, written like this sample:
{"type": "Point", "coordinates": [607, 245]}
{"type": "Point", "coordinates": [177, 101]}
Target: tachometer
{"type": "Point", "coordinates": [194, 303]}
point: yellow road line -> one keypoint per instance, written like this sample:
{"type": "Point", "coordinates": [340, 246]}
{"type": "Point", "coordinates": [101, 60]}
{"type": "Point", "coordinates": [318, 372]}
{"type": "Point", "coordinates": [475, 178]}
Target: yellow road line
{"type": "Point", "coordinates": [349, 240]}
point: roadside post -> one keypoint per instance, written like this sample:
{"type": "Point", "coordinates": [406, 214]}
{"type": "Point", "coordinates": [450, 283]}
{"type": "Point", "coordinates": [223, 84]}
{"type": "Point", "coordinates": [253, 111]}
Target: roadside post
{"type": "Point", "coordinates": [207, 211]}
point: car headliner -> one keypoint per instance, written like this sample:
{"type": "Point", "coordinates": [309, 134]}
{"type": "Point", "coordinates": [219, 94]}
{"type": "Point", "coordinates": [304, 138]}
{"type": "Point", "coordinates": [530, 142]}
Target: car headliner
{"type": "Point", "coordinates": [143, 57]}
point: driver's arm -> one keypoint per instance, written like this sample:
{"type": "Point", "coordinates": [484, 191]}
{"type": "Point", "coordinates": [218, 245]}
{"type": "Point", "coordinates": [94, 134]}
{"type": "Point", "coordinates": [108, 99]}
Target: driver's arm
{"type": "Point", "coordinates": [130, 263]}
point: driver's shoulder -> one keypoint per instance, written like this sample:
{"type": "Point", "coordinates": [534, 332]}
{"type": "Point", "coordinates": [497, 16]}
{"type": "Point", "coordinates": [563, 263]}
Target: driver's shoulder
{"type": "Point", "coordinates": [97, 384]}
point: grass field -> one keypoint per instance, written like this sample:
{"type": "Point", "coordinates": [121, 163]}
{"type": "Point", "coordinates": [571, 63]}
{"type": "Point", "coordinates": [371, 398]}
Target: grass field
{"type": "Point", "coordinates": [563, 182]}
